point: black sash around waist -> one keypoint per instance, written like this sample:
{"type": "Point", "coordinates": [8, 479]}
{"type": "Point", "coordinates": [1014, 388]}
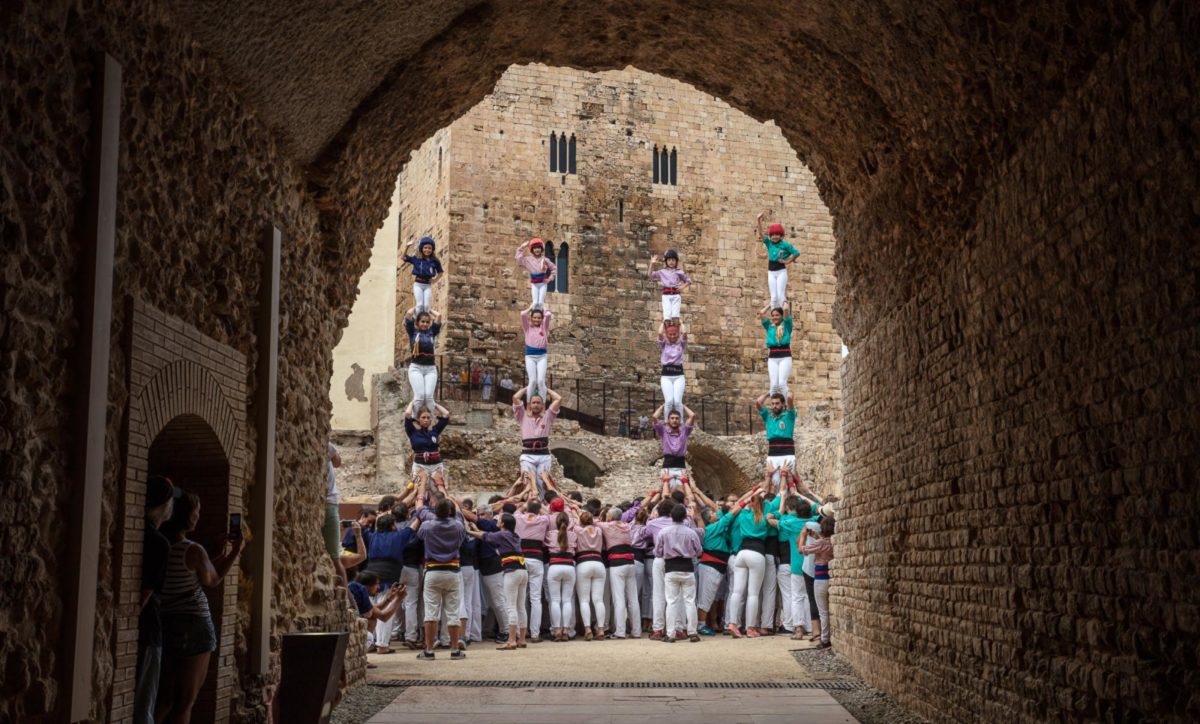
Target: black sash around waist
{"type": "Point", "coordinates": [621, 555]}
{"type": "Point", "coordinates": [562, 558]}
{"type": "Point", "coordinates": [674, 461]}
{"type": "Point", "coordinates": [678, 565]}
{"type": "Point", "coordinates": [758, 545]}
{"type": "Point", "coordinates": [489, 566]}
{"type": "Point", "coordinates": [776, 266]}
{"type": "Point", "coordinates": [670, 290]}
{"type": "Point", "coordinates": [422, 279]}
{"type": "Point", "coordinates": [672, 370]}
{"type": "Point", "coordinates": [715, 559]}
{"type": "Point", "coordinates": [781, 446]}
{"type": "Point", "coordinates": [427, 457]}
{"type": "Point", "coordinates": [779, 352]}
{"type": "Point", "coordinates": [584, 556]}
{"type": "Point", "coordinates": [424, 359]}
{"type": "Point", "coordinates": [783, 553]}
{"type": "Point", "coordinates": [533, 548]}
{"type": "Point", "coordinates": [535, 446]}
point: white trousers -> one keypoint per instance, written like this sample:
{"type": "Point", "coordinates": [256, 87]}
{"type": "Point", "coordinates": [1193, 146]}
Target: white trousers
{"type": "Point", "coordinates": [670, 305]}
{"type": "Point", "coordinates": [537, 464]}
{"type": "Point", "coordinates": [779, 370]}
{"type": "Point", "coordinates": [644, 588]}
{"type": "Point", "coordinates": [783, 578]}
{"type": "Point", "coordinates": [623, 582]}
{"type": "Point", "coordinates": [537, 292]}
{"type": "Point", "coordinates": [422, 296]}
{"type": "Point", "coordinates": [821, 593]}
{"type": "Point", "coordinates": [801, 613]}
{"type": "Point", "coordinates": [658, 593]}
{"type": "Point", "coordinates": [470, 608]}
{"type": "Point", "coordinates": [537, 573]}
{"type": "Point", "coordinates": [675, 476]}
{"type": "Point", "coordinates": [516, 586]}
{"type": "Point", "coordinates": [749, 567]}
{"type": "Point", "coordinates": [411, 577]}
{"type": "Point", "coordinates": [777, 283]}
{"type": "Point", "coordinates": [672, 389]}
{"type": "Point", "coordinates": [709, 580]}
{"type": "Point", "coordinates": [561, 583]}
{"type": "Point", "coordinates": [383, 629]}
{"type": "Point", "coordinates": [589, 584]}
{"type": "Point", "coordinates": [681, 593]}
{"type": "Point", "coordinates": [766, 615]}
{"type": "Point", "coordinates": [535, 370]}
{"type": "Point", "coordinates": [780, 462]}
{"type": "Point", "coordinates": [492, 597]}
{"type": "Point", "coordinates": [423, 379]}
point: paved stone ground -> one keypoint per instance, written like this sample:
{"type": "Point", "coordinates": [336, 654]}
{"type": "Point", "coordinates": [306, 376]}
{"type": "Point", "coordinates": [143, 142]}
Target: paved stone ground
{"type": "Point", "coordinates": [622, 706]}
{"type": "Point", "coordinates": [714, 659]}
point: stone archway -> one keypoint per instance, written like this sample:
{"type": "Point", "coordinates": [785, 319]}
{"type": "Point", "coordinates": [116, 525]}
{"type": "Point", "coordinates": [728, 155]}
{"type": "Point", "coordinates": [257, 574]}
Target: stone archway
{"type": "Point", "coordinates": [715, 472]}
{"type": "Point", "coordinates": [577, 463]}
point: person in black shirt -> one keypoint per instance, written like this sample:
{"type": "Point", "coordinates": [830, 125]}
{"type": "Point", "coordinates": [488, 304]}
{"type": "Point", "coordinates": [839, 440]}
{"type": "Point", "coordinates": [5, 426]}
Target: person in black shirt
{"type": "Point", "coordinates": [155, 549]}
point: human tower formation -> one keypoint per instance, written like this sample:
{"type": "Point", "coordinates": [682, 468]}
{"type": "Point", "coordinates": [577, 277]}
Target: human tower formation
{"type": "Point", "coordinates": [535, 565]}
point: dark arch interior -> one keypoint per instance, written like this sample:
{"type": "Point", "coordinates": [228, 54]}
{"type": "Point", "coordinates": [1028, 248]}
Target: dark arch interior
{"type": "Point", "coordinates": [577, 466]}
{"type": "Point", "coordinates": [189, 453]}
{"type": "Point", "coordinates": [714, 472]}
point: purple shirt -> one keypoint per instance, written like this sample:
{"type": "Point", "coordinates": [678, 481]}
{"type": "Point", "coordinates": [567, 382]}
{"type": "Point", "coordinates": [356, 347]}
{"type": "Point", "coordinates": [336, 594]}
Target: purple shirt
{"type": "Point", "coordinates": [672, 354]}
{"type": "Point", "coordinates": [649, 532]}
{"type": "Point", "coordinates": [672, 278]}
{"type": "Point", "coordinates": [677, 541]}
{"type": "Point", "coordinates": [673, 443]}
{"type": "Point", "coordinates": [442, 537]}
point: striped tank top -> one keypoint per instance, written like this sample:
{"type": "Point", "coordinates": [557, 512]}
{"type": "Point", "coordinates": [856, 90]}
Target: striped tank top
{"type": "Point", "coordinates": [181, 591]}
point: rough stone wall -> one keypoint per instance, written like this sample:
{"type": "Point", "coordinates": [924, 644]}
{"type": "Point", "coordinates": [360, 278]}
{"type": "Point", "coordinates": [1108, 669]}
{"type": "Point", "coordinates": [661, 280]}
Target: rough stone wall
{"type": "Point", "coordinates": [497, 191]}
{"type": "Point", "coordinates": [1034, 407]}
{"type": "Point", "coordinates": [200, 178]}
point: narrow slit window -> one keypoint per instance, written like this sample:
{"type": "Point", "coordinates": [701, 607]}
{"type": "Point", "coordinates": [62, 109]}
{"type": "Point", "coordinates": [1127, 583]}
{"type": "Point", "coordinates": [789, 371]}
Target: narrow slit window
{"type": "Point", "coordinates": [550, 255]}
{"type": "Point", "coordinates": [655, 164]}
{"type": "Point", "coordinates": [562, 153]}
{"type": "Point", "coordinates": [620, 211]}
{"type": "Point", "coordinates": [563, 265]}
{"type": "Point", "coordinates": [674, 156]}
{"type": "Point", "coordinates": [663, 160]}
{"type": "Point", "coordinates": [571, 155]}
{"type": "Point", "coordinates": [553, 152]}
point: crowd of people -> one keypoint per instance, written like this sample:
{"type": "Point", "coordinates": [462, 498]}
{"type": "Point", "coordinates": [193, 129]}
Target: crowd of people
{"type": "Point", "coordinates": [438, 570]}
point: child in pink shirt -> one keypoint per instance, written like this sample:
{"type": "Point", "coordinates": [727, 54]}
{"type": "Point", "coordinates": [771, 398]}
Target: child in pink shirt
{"type": "Point", "coordinates": [540, 269]}
{"type": "Point", "coordinates": [673, 280]}
{"type": "Point", "coordinates": [536, 324]}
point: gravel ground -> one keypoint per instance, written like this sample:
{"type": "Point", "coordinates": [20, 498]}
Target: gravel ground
{"type": "Point", "coordinates": [364, 702]}
{"type": "Point", "coordinates": [866, 704]}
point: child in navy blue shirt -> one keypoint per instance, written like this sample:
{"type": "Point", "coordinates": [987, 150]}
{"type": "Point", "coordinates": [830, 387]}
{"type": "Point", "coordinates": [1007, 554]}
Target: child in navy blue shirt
{"type": "Point", "coordinates": [426, 270]}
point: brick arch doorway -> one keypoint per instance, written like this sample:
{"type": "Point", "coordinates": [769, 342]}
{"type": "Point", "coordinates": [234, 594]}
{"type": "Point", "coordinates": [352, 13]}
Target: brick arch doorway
{"type": "Point", "coordinates": [188, 451]}
{"type": "Point", "coordinates": [577, 464]}
{"type": "Point", "coordinates": [714, 472]}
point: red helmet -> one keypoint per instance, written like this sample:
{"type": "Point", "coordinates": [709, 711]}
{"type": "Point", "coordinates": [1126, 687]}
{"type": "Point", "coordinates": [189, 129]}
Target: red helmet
{"type": "Point", "coordinates": [539, 242]}
{"type": "Point", "coordinates": [775, 229]}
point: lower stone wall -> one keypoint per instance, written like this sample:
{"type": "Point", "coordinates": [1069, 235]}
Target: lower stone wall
{"type": "Point", "coordinates": [1021, 527]}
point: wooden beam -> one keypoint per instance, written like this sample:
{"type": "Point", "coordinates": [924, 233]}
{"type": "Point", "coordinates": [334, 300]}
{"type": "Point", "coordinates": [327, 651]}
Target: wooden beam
{"type": "Point", "coordinates": [95, 304]}
{"type": "Point", "coordinates": [262, 495]}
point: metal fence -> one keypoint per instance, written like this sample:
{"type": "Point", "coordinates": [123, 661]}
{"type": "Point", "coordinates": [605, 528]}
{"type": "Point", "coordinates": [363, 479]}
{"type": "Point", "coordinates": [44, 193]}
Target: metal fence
{"type": "Point", "coordinates": [603, 406]}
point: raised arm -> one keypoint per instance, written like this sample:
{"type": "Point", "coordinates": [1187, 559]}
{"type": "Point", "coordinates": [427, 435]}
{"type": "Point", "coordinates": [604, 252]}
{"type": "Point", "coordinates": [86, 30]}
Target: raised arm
{"type": "Point", "coordinates": [758, 401]}
{"type": "Point", "coordinates": [653, 261]}
{"type": "Point", "coordinates": [758, 230]}
{"type": "Point", "coordinates": [519, 396]}
{"type": "Point", "coordinates": [555, 400]}
{"type": "Point", "coordinates": [657, 414]}
{"type": "Point", "coordinates": [691, 415]}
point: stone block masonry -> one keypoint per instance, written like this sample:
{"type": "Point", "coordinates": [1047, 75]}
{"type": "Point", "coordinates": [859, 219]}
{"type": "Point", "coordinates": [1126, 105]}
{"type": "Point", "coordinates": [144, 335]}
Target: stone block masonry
{"type": "Point", "coordinates": [484, 183]}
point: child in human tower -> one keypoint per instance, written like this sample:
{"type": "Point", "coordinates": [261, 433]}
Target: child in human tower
{"type": "Point", "coordinates": [673, 280]}
{"type": "Point", "coordinates": [780, 255]}
{"type": "Point", "coordinates": [532, 257]}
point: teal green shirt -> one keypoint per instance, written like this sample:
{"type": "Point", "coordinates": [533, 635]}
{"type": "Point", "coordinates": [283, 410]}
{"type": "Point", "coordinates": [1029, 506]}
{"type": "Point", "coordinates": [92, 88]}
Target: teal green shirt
{"type": "Point", "coordinates": [781, 251]}
{"type": "Point", "coordinates": [780, 336]}
{"type": "Point", "coordinates": [789, 529]}
{"type": "Point", "coordinates": [745, 527]}
{"type": "Point", "coordinates": [771, 507]}
{"type": "Point", "coordinates": [781, 426]}
{"type": "Point", "coordinates": [716, 535]}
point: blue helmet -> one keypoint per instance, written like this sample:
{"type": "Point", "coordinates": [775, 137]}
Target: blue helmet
{"type": "Point", "coordinates": [426, 240]}
{"type": "Point", "coordinates": [671, 254]}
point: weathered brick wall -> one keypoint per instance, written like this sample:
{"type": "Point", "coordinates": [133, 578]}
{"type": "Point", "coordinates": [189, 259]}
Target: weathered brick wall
{"type": "Point", "coordinates": [496, 191]}
{"type": "Point", "coordinates": [1021, 530]}
{"type": "Point", "coordinates": [200, 178]}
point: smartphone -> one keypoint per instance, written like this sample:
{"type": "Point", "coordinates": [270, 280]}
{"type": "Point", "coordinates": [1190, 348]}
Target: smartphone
{"type": "Point", "coordinates": [235, 525]}
{"type": "Point", "coordinates": [347, 523]}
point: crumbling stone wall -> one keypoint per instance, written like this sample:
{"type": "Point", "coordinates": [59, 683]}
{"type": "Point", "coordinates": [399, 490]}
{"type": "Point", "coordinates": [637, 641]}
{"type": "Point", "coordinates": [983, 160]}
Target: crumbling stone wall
{"type": "Point", "coordinates": [200, 178]}
{"type": "Point", "coordinates": [1020, 535]}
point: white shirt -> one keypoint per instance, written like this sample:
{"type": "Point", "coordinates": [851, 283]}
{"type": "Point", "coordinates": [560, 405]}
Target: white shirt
{"type": "Point", "coordinates": [331, 491]}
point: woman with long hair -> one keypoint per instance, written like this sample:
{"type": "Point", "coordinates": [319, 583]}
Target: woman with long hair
{"type": "Point", "coordinates": [560, 574]}
{"type": "Point", "coordinates": [589, 575]}
{"type": "Point", "coordinates": [423, 329]}
{"type": "Point", "coordinates": [189, 636]}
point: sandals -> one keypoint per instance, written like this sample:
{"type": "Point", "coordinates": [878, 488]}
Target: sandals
{"type": "Point", "coordinates": [734, 632]}
{"type": "Point", "coordinates": [587, 634]}
{"type": "Point", "coordinates": [507, 647]}
{"type": "Point", "coordinates": [600, 635]}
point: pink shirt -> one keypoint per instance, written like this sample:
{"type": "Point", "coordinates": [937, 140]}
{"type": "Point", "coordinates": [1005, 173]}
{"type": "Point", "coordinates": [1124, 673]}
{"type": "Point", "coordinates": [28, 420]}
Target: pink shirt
{"type": "Point", "coordinates": [534, 427]}
{"type": "Point", "coordinates": [616, 533]}
{"type": "Point", "coordinates": [534, 264]}
{"type": "Point", "coordinates": [530, 526]}
{"type": "Point", "coordinates": [551, 539]}
{"type": "Point", "coordinates": [670, 278]}
{"type": "Point", "coordinates": [590, 538]}
{"type": "Point", "coordinates": [672, 353]}
{"type": "Point", "coordinates": [536, 336]}
{"type": "Point", "coordinates": [821, 549]}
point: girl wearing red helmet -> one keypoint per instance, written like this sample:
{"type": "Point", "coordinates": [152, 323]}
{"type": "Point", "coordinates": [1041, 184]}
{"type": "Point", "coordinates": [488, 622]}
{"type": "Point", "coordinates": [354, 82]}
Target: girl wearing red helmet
{"type": "Point", "coordinates": [779, 255]}
{"type": "Point", "coordinates": [540, 269]}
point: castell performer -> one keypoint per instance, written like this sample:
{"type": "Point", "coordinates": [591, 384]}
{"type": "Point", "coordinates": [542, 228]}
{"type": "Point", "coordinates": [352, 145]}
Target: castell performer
{"type": "Point", "coordinates": [674, 437]}
{"type": "Point", "coordinates": [672, 340]}
{"type": "Point", "coordinates": [778, 325]}
{"type": "Point", "coordinates": [541, 270]}
{"type": "Point", "coordinates": [779, 255]}
{"type": "Point", "coordinates": [423, 329]}
{"type": "Point", "coordinates": [535, 425]}
{"type": "Point", "coordinates": [673, 280]}
{"type": "Point", "coordinates": [423, 435]}
{"type": "Point", "coordinates": [780, 421]}
{"type": "Point", "coordinates": [426, 269]}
